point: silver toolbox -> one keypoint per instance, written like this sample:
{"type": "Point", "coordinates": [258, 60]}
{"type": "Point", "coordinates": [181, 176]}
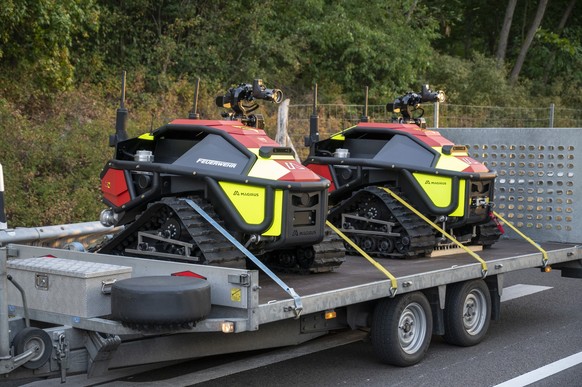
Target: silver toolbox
{"type": "Point", "coordinates": [64, 286]}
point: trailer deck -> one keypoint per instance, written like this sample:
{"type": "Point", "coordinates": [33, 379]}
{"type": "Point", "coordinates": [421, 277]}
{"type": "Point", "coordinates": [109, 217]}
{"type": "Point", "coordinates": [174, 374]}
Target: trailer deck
{"type": "Point", "coordinates": [356, 271]}
{"type": "Point", "coordinates": [358, 281]}
{"type": "Point", "coordinates": [257, 299]}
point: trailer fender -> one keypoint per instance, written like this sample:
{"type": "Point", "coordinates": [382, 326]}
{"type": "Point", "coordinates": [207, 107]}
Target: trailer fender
{"type": "Point", "coordinates": [436, 298]}
{"type": "Point", "coordinates": [495, 284]}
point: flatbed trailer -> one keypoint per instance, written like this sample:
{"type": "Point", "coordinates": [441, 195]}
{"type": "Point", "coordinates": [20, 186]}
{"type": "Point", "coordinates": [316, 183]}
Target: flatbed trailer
{"type": "Point", "coordinates": [67, 327]}
{"type": "Point", "coordinates": [250, 310]}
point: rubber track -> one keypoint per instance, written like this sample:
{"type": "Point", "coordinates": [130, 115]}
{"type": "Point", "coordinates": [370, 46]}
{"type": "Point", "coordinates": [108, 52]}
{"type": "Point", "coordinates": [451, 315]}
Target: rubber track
{"type": "Point", "coordinates": [213, 247]}
{"type": "Point", "coordinates": [487, 234]}
{"type": "Point", "coordinates": [328, 255]}
{"type": "Point", "coordinates": [422, 236]}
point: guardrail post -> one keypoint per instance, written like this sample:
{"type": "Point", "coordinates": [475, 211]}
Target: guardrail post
{"type": "Point", "coordinates": [552, 108]}
{"type": "Point", "coordinates": [4, 325]}
{"type": "Point", "coordinates": [3, 224]}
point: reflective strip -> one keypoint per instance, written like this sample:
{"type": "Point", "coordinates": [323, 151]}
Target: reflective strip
{"type": "Point", "coordinates": [528, 239]}
{"type": "Point", "coordinates": [436, 227]}
{"type": "Point", "coordinates": [268, 169]}
{"type": "Point", "coordinates": [451, 162]}
{"type": "Point", "coordinates": [393, 281]}
{"type": "Point", "coordinates": [340, 135]}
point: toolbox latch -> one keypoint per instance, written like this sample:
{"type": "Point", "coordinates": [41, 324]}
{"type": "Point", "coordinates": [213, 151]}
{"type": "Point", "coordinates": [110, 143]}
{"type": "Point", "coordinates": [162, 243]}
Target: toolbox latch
{"type": "Point", "coordinates": [242, 279]}
{"type": "Point", "coordinates": [107, 285]}
{"type": "Point", "coordinates": [41, 281]}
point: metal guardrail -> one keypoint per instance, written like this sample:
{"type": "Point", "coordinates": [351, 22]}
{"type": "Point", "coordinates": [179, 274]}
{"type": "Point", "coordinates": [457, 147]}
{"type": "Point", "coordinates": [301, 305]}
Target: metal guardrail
{"type": "Point", "coordinates": [446, 115]}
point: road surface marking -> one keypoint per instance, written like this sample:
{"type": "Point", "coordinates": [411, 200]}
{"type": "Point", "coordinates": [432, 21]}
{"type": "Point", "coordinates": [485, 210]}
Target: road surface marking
{"type": "Point", "coordinates": [520, 290]}
{"type": "Point", "coordinates": [544, 372]}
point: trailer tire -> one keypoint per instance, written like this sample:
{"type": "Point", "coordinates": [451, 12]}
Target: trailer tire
{"type": "Point", "coordinates": [28, 337]}
{"type": "Point", "coordinates": [160, 300]}
{"type": "Point", "coordinates": [467, 313]}
{"type": "Point", "coordinates": [402, 329]}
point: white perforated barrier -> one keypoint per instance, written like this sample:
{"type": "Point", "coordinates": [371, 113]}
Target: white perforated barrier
{"type": "Point", "coordinates": [537, 187]}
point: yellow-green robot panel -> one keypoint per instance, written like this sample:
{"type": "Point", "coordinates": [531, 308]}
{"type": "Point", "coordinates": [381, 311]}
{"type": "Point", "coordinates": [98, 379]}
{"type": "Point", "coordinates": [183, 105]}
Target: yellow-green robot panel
{"type": "Point", "coordinates": [439, 190]}
{"type": "Point", "coordinates": [250, 200]}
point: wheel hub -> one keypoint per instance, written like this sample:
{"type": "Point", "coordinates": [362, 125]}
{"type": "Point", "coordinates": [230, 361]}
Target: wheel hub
{"type": "Point", "coordinates": [473, 312]}
{"type": "Point", "coordinates": [411, 328]}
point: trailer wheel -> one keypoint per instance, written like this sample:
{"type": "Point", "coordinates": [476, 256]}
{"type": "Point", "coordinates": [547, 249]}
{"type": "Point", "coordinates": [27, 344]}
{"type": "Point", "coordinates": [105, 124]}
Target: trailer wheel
{"type": "Point", "coordinates": [467, 313]}
{"type": "Point", "coordinates": [29, 337]}
{"type": "Point", "coordinates": [160, 300]}
{"type": "Point", "coordinates": [402, 328]}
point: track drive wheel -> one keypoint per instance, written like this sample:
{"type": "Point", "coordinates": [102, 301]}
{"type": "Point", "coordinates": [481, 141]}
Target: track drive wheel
{"type": "Point", "coordinates": [402, 329]}
{"type": "Point", "coordinates": [467, 313]}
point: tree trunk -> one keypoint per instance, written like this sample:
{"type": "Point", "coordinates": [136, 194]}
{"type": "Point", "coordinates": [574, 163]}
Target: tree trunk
{"type": "Point", "coordinates": [565, 16]}
{"type": "Point", "coordinates": [504, 35]}
{"type": "Point", "coordinates": [467, 41]}
{"type": "Point", "coordinates": [528, 40]}
{"type": "Point", "coordinates": [411, 10]}
{"type": "Point", "coordinates": [563, 20]}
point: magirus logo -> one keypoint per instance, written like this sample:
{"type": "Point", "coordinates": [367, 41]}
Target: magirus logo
{"type": "Point", "coordinates": [431, 182]}
{"type": "Point", "coordinates": [238, 193]}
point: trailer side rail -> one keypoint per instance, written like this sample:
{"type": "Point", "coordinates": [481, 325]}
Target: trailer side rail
{"type": "Point", "coordinates": [381, 288]}
{"type": "Point", "coordinates": [248, 313]}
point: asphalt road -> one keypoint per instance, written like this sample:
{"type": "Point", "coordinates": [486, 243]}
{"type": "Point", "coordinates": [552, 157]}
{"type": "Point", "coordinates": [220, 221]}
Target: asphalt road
{"type": "Point", "coordinates": [535, 330]}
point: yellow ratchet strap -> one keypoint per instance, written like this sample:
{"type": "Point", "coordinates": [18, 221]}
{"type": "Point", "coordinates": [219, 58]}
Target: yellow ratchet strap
{"type": "Point", "coordinates": [393, 281]}
{"type": "Point", "coordinates": [436, 227]}
{"type": "Point", "coordinates": [528, 239]}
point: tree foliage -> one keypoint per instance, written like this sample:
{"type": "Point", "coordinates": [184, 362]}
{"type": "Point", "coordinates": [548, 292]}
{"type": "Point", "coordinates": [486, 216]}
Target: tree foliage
{"type": "Point", "coordinates": [291, 43]}
{"type": "Point", "coordinates": [391, 45]}
{"type": "Point", "coordinates": [36, 39]}
{"type": "Point", "coordinates": [60, 62]}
